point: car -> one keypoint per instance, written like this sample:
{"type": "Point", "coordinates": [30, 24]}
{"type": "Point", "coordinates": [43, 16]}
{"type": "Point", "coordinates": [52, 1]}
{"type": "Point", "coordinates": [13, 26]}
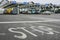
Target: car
{"type": "Point", "coordinates": [33, 11]}
{"type": "Point", "coordinates": [47, 13]}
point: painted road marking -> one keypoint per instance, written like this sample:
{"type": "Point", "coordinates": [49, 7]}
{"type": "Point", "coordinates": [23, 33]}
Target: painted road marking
{"type": "Point", "coordinates": [22, 36]}
{"type": "Point", "coordinates": [40, 29]}
{"type": "Point", "coordinates": [28, 21]}
{"type": "Point", "coordinates": [28, 31]}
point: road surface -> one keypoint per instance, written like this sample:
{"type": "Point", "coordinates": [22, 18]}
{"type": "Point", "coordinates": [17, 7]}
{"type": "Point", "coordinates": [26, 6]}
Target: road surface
{"type": "Point", "coordinates": [30, 27]}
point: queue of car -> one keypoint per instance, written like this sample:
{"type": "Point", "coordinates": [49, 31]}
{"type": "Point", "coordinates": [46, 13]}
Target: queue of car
{"type": "Point", "coordinates": [24, 11]}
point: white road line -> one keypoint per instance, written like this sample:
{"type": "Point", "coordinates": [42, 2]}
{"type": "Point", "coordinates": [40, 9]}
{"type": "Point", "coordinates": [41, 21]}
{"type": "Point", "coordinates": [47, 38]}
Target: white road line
{"type": "Point", "coordinates": [21, 22]}
{"type": "Point", "coordinates": [27, 21]}
{"type": "Point", "coordinates": [23, 35]}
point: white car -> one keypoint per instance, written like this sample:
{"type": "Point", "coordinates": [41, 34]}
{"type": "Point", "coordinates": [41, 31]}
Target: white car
{"type": "Point", "coordinates": [47, 12]}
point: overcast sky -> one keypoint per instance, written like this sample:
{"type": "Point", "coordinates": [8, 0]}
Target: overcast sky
{"type": "Point", "coordinates": [40, 1]}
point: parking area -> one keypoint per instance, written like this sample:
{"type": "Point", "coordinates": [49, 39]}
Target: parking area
{"type": "Point", "coordinates": [30, 27]}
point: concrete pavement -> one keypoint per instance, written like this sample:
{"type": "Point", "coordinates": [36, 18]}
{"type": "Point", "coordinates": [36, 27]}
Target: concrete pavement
{"type": "Point", "coordinates": [30, 27]}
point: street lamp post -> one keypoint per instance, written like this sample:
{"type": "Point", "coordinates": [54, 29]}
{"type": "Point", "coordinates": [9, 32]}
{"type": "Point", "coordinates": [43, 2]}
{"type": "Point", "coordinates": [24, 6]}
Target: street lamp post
{"type": "Point", "coordinates": [18, 9]}
{"type": "Point", "coordinates": [54, 8]}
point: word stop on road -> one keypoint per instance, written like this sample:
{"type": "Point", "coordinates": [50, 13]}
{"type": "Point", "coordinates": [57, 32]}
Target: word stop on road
{"type": "Point", "coordinates": [40, 29]}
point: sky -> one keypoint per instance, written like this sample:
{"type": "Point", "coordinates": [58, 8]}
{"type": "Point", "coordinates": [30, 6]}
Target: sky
{"type": "Point", "coordinates": [39, 1]}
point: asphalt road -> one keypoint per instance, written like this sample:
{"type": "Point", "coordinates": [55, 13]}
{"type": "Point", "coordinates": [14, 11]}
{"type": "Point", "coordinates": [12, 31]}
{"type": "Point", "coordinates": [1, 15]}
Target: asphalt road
{"type": "Point", "coordinates": [30, 27]}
